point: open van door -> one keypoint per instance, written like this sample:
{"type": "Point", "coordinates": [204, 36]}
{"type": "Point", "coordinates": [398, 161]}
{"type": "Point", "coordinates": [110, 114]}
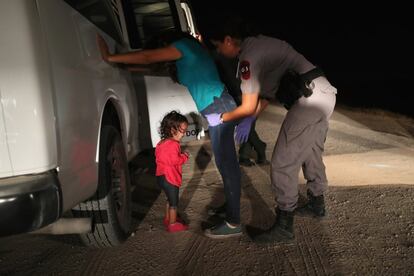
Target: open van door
{"type": "Point", "coordinates": [157, 93]}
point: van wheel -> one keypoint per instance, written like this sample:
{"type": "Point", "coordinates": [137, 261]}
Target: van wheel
{"type": "Point", "coordinates": [110, 208]}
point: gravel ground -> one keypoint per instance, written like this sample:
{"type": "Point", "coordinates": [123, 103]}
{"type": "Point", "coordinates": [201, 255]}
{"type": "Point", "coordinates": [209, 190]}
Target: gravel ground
{"type": "Point", "coordinates": [369, 229]}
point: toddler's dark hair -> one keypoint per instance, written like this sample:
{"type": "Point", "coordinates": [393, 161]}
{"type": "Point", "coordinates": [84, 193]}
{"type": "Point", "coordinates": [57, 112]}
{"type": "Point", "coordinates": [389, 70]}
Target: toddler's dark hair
{"type": "Point", "coordinates": [171, 123]}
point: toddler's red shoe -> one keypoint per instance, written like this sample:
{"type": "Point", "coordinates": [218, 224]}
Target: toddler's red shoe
{"type": "Point", "coordinates": [167, 222]}
{"type": "Point", "coordinates": [177, 227]}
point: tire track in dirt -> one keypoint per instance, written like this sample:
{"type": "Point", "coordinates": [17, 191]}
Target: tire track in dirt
{"type": "Point", "coordinates": [345, 242]}
{"type": "Point", "coordinates": [283, 265]}
{"type": "Point", "coordinates": [289, 260]}
{"type": "Point", "coordinates": [93, 264]}
{"type": "Point", "coordinates": [36, 263]}
{"type": "Point", "coordinates": [193, 252]}
{"type": "Point", "coordinates": [311, 248]}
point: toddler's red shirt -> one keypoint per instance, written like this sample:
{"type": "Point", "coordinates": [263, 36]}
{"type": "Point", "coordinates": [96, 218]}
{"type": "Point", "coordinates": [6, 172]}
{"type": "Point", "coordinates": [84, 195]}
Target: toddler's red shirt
{"type": "Point", "coordinates": [169, 160]}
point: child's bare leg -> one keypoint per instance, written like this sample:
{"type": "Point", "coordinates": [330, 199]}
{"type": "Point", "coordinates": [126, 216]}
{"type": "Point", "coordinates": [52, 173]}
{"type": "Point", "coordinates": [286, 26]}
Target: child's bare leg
{"type": "Point", "coordinates": [173, 215]}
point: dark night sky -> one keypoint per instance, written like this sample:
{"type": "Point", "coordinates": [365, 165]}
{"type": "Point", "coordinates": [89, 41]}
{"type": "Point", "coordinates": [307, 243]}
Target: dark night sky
{"type": "Point", "coordinates": [365, 52]}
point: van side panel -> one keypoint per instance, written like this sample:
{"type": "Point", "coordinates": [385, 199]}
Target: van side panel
{"type": "Point", "coordinates": [77, 108]}
{"type": "Point", "coordinates": [25, 91]}
{"type": "Point", "coordinates": [5, 163]}
{"type": "Point", "coordinates": [165, 95]}
{"type": "Point", "coordinates": [83, 84]}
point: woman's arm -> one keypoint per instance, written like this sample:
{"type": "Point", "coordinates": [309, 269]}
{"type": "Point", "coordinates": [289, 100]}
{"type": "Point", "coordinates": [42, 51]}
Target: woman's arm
{"type": "Point", "coordinates": [168, 53]}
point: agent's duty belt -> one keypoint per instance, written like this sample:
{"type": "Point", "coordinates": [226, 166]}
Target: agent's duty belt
{"type": "Point", "coordinates": [309, 76]}
{"type": "Point", "coordinates": [293, 86]}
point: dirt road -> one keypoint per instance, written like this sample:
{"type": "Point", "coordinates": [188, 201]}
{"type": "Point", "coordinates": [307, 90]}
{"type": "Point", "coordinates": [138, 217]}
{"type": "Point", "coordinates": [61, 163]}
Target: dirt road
{"type": "Point", "coordinates": [369, 229]}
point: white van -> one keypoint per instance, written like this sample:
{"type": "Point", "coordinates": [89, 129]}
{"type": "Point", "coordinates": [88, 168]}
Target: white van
{"type": "Point", "coordinates": [69, 122]}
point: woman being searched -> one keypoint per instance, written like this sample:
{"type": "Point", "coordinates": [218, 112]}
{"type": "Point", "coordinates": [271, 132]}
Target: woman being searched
{"type": "Point", "coordinates": [191, 65]}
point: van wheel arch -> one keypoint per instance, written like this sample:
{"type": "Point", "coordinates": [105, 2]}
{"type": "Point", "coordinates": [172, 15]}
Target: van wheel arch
{"type": "Point", "coordinates": [110, 207]}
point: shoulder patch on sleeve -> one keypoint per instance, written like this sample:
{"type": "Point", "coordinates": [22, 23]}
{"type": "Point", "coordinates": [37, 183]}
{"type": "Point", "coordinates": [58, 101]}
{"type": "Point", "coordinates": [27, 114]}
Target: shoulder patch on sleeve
{"type": "Point", "coordinates": [244, 69]}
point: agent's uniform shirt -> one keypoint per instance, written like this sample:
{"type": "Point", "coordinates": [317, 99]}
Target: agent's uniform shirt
{"type": "Point", "coordinates": [262, 62]}
{"type": "Point", "coordinates": [197, 71]}
{"type": "Point", "coordinates": [169, 160]}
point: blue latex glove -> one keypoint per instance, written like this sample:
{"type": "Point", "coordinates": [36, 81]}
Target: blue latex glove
{"type": "Point", "coordinates": [243, 129]}
{"type": "Point", "coordinates": [213, 119]}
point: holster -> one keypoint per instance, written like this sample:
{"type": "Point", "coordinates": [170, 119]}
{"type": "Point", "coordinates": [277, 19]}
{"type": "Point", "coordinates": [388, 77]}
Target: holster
{"type": "Point", "coordinates": [293, 86]}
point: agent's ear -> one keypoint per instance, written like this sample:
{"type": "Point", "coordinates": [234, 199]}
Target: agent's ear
{"type": "Point", "coordinates": [231, 41]}
{"type": "Point", "coordinates": [228, 40]}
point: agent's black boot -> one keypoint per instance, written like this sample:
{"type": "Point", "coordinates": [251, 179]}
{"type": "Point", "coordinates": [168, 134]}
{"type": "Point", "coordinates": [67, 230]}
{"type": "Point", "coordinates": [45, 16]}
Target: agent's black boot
{"type": "Point", "coordinates": [261, 153]}
{"type": "Point", "coordinates": [244, 154]}
{"type": "Point", "coordinates": [259, 146]}
{"type": "Point", "coordinates": [314, 208]}
{"type": "Point", "coordinates": [281, 231]}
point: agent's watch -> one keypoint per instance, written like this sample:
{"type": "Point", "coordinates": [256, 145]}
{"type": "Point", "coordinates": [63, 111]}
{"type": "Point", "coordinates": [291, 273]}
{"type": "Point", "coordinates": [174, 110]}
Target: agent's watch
{"type": "Point", "coordinates": [221, 118]}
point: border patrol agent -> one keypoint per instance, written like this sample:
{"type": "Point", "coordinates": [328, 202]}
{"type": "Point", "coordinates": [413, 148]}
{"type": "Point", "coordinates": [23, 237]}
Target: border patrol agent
{"type": "Point", "coordinates": [264, 63]}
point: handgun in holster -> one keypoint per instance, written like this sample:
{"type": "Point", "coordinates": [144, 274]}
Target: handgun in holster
{"type": "Point", "coordinates": [293, 86]}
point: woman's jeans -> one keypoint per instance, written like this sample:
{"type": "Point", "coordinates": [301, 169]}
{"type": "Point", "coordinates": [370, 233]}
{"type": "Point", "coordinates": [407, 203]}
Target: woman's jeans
{"type": "Point", "coordinates": [222, 142]}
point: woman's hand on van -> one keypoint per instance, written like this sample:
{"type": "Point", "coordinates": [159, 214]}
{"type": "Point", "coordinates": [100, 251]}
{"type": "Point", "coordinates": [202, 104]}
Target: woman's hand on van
{"type": "Point", "coordinates": [103, 47]}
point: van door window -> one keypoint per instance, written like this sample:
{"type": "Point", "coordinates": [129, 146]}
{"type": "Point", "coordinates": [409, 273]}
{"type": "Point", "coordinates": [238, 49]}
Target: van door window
{"type": "Point", "coordinates": [148, 18]}
{"type": "Point", "coordinates": [103, 13]}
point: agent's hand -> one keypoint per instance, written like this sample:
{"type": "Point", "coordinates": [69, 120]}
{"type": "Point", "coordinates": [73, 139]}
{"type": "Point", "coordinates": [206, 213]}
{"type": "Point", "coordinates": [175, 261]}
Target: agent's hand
{"type": "Point", "coordinates": [214, 119]}
{"type": "Point", "coordinates": [243, 129]}
{"type": "Point", "coordinates": [103, 47]}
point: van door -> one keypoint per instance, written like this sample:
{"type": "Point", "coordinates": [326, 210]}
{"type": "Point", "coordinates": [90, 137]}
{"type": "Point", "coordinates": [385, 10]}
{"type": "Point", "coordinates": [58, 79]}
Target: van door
{"type": "Point", "coordinates": [144, 20]}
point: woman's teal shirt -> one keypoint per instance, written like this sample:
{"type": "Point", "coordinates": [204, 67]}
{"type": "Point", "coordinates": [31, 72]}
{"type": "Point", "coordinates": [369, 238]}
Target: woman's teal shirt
{"type": "Point", "coordinates": [197, 71]}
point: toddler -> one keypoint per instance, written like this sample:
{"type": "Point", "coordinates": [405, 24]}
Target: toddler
{"type": "Point", "coordinates": [169, 160]}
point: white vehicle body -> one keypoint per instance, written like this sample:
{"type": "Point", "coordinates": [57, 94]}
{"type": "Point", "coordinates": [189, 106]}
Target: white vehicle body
{"type": "Point", "coordinates": [57, 96]}
{"type": "Point", "coordinates": [163, 98]}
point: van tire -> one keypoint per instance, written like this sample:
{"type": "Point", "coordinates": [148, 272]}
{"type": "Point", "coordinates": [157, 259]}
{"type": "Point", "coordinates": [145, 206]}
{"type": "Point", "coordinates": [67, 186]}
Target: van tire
{"type": "Point", "coordinates": [110, 208]}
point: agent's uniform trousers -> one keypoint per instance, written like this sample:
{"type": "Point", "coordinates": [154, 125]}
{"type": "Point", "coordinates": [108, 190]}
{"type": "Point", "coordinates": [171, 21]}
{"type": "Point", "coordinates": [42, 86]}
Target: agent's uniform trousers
{"type": "Point", "coordinates": [300, 144]}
